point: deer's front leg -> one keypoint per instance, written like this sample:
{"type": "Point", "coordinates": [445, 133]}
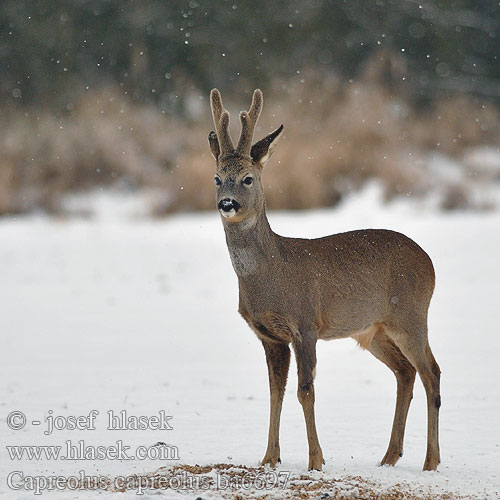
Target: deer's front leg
{"type": "Point", "coordinates": [305, 354]}
{"type": "Point", "coordinates": [278, 361]}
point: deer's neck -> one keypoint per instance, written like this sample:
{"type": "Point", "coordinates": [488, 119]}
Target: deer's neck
{"type": "Point", "coordinates": [252, 244]}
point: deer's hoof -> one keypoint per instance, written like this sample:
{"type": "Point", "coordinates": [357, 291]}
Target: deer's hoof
{"type": "Point", "coordinates": [316, 462]}
{"type": "Point", "coordinates": [271, 460]}
{"type": "Point", "coordinates": [431, 464]}
{"type": "Point", "coordinates": [391, 458]}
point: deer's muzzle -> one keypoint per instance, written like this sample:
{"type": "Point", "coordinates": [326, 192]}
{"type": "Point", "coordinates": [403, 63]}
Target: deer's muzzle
{"type": "Point", "coordinates": [228, 207]}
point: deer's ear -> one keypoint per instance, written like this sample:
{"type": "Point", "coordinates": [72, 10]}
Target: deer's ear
{"type": "Point", "coordinates": [261, 151]}
{"type": "Point", "coordinates": [214, 144]}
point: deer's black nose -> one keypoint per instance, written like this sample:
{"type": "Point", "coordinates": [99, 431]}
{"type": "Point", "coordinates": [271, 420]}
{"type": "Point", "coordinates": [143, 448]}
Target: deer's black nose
{"type": "Point", "coordinates": [226, 205]}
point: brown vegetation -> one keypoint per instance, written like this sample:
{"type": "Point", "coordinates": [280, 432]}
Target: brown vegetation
{"type": "Point", "coordinates": [334, 141]}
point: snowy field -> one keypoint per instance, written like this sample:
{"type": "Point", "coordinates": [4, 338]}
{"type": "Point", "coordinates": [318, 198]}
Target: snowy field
{"type": "Point", "coordinates": [122, 313]}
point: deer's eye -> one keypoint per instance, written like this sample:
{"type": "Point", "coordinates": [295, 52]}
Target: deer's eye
{"type": "Point", "coordinates": [217, 181]}
{"type": "Point", "coordinates": [248, 180]}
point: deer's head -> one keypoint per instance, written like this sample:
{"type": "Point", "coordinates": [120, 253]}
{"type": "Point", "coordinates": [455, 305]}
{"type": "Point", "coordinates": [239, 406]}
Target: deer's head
{"type": "Point", "coordinates": [238, 175]}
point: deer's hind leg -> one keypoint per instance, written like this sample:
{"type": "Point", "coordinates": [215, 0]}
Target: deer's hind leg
{"type": "Point", "coordinates": [384, 349]}
{"type": "Point", "coordinates": [412, 341]}
{"type": "Point", "coordinates": [278, 362]}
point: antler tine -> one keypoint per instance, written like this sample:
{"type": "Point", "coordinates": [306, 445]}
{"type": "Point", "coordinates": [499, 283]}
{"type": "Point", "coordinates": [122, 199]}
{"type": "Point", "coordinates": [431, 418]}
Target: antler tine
{"type": "Point", "coordinates": [221, 121]}
{"type": "Point", "coordinates": [248, 122]}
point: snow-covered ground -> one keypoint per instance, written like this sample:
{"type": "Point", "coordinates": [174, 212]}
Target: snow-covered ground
{"type": "Point", "coordinates": [114, 313]}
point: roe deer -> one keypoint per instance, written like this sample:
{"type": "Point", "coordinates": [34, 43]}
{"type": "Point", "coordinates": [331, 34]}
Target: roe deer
{"type": "Point", "coordinates": [372, 285]}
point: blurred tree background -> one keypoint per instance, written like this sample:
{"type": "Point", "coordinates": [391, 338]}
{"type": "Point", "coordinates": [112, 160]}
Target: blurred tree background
{"type": "Point", "coordinates": [62, 62]}
{"type": "Point", "coordinates": [53, 50]}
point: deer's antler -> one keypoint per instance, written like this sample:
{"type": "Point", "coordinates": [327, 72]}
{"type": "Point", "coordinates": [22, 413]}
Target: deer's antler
{"type": "Point", "coordinates": [221, 122]}
{"type": "Point", "coordinates": [248, 121]}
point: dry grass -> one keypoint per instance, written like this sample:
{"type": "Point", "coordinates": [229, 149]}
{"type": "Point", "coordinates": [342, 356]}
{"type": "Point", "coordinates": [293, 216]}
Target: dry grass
{"type": "Point", "coordinates": [337, 136]}
{"type": "Point", "coordinates": [104, 140]}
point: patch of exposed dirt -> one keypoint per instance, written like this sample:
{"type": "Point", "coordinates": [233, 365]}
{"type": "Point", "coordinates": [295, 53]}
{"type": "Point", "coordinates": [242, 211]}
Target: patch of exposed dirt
{"type": "Point", "coordinates": [238, 482]}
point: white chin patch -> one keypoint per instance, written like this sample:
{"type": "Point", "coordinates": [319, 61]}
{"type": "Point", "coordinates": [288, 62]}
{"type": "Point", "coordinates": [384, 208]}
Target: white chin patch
{"type": "Point", "coordinates": [229, 214]}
